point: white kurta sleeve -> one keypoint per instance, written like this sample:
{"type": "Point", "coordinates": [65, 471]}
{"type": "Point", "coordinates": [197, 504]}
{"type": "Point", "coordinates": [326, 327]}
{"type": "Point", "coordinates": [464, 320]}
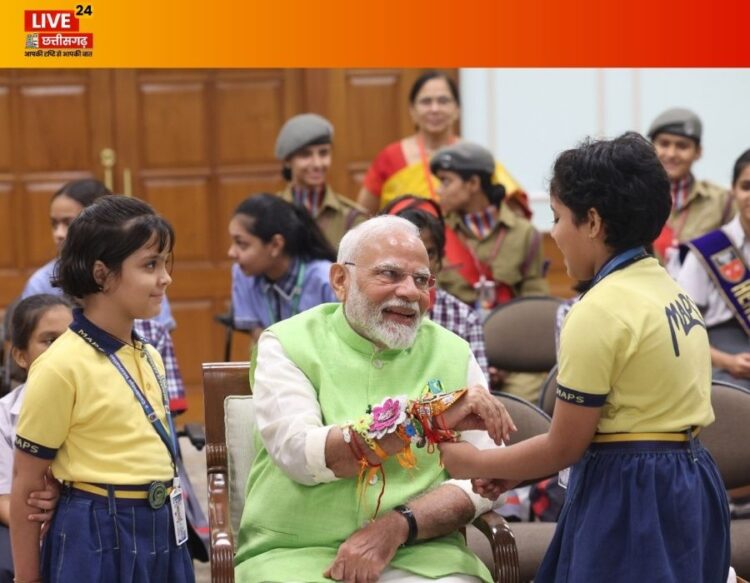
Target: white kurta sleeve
{"type": "Point", "coordinates": [288, 415]}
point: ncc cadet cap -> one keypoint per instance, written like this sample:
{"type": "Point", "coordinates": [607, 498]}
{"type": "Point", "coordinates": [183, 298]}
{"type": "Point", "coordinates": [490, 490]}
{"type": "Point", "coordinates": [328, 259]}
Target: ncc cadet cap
{"type": "Point", "coordinates": [463, 156]}
{"type": "Point", "coordinates": [300, 131]}
{"type": "Point", "coordinates": [678, 121]}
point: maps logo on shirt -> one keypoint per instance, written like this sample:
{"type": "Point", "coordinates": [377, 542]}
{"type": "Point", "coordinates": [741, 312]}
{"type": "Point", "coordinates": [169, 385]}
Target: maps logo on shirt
{"type": "Point", "coordinates": [729, 265]}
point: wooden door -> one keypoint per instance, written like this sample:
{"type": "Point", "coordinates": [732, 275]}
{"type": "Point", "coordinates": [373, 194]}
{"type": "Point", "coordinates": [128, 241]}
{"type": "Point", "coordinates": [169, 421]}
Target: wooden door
{"type": "Point", "coordinates": [193, 143]}
{"type": "Point", "coordinates": [53, 126]}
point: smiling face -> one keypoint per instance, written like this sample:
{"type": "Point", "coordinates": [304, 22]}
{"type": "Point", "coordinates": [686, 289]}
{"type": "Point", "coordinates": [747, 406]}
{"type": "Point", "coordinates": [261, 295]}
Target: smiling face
{"type": "Point", "coordinates": [138, 289]}
{"type": "Point", "coordinates": [434, 110]}
{"type": "Point", "coordinates": [676, 153]}
{"type": "Point", "coordinates": [62, 211]}
{"type": "Point", "coordinates": [388, 314]}
{"type": "Point", "coordinates": [309, 166]}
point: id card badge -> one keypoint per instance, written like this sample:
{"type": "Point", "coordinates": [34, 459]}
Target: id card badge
{"type": "Point", "coordinates": [486, 296]}
{"type": "Point", "coordinates": [179, 519]}
{"type": "Point", "coordinates": [562, 477]}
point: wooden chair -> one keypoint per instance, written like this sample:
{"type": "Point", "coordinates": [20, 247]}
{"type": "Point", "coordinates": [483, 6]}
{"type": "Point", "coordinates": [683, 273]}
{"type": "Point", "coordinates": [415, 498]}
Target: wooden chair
{"type": "Point", "coordinates": [226, 389]}
{"type": "Point", "coordinates": [520, 335]}
{"type": "Point", "coordinates": [727, 439]}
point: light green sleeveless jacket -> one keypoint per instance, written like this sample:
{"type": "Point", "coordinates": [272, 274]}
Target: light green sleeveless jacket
{"type": "Point", "coordinates": [291, 532]}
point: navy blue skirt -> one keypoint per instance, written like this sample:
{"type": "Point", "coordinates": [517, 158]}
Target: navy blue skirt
{"type": "Point", "coordinates": [112, 540]}
{"type": "Point", "coordinates": [648, 511]}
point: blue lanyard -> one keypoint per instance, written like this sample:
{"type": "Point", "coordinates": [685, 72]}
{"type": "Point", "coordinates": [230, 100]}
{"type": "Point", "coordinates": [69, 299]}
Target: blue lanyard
{"type": "Point", "coordinates": [619, 261]}
{"type": "Point", "coordinates": [141, 398]}
{"type": "Point", "coordinates": [146, 406]}
{"type": "Point", "coordinates": [295, 297]}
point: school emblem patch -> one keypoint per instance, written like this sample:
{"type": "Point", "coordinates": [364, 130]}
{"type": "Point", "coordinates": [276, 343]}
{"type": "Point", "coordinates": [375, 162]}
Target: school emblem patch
{"type": "Point", "coordinates": [729, 265]}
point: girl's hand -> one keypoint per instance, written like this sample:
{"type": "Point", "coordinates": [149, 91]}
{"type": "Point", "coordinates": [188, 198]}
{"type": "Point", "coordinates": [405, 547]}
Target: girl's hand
{"type": "Point", "coordinates": [478, 409]}
{"type": "Point", "coordinates": [460, 459]}
{"type": "Point", "coordinates": [492, 489]}
{"type": "Point", "coordinates": [45, 500]}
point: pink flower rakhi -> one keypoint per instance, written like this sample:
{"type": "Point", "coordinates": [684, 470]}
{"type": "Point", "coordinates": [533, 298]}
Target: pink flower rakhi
{"type": "Point", "coordinates": [387, 416]}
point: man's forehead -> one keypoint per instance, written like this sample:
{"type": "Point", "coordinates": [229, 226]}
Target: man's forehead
{"type": "Point", "coordinates": [396, 248]}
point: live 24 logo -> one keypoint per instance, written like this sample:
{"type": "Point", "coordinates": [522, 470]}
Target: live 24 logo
{"type": "Point", "coordinates": [57, 32]}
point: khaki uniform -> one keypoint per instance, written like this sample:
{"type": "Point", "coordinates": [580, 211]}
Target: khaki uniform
{"type": "Point", "coordinates": [518, 262]}
{"type": "Point", "coordinates": [707, 207]}
{"type": "Point", "coordinates": [337, 214]}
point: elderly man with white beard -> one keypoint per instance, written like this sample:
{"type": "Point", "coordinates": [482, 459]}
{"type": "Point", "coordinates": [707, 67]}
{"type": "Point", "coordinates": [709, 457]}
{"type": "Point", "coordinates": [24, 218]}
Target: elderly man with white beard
{"type": "Point", "coordinates": [336, 490]}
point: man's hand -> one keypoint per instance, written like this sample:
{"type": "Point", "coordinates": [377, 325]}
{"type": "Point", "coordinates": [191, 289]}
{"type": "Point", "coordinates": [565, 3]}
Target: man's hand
{"type": "Point", "coordinates": [478, 409]}
{"type": "Point", "coordinates": [46, 501]}
{"type": "Point", "coordinates": [492, 489]}
{"type": "Point", "coordinates": [367, 552]}
{"type": "Point", "coordinates": [460, 460]}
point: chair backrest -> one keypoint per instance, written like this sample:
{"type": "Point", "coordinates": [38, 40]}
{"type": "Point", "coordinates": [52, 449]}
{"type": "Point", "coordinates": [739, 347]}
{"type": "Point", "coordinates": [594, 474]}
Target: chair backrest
{"type": "Point", "coordinates": [548, 394]}
{"type": "Point", "coordinates": [520, 335]}
{"type": "Point", "coordinates": [728, 436]}
{"type": "Point", "coordinates": [230, 421]}
{"type": "Point", "coordinates": [529, 419]}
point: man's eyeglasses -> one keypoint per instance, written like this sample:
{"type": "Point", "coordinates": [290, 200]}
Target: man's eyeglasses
{"type": "Point", "coordinates": [389, 275]}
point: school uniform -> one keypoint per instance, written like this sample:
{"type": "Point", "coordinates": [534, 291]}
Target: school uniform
{"type": "Point", "coordinates": [156, 331]}
{"type": "Point", "coordinates": [646, 502]}
{"type": "Point", "coordinates": [10, 407]}
{"type": "Point", "coordinates": [258, 302]}
{"type": "Point", "coordinates": [724, 331]}
{"type": "Point", "coordinates": [334, 213]}
{"type": "Point", "coordinates": [699, 207]}
{"type": "Point", "coordinates": [80, 413]}
{"type": "Point", "coordinates": [511, 248]}
{"type": "Point", "coordinates": [508, 244]}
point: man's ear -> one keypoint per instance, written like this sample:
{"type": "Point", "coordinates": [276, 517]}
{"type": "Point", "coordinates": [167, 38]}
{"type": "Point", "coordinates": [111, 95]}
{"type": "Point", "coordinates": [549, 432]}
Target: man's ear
{"type": "Point", "coordinates": [339, 279]}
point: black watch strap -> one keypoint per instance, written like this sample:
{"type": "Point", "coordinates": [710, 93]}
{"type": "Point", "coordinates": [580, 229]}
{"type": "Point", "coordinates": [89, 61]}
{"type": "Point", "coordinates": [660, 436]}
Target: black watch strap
{"type": "Point", "coordinates": [406, 512]}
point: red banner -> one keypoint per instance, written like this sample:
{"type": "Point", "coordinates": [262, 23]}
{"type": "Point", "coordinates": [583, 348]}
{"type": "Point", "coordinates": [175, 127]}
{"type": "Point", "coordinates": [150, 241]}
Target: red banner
{"type": "Point", "coordinates": [50, 20]}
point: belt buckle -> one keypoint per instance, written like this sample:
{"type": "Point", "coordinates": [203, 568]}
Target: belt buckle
{"type": "Point", "coordinates": [157, 495]}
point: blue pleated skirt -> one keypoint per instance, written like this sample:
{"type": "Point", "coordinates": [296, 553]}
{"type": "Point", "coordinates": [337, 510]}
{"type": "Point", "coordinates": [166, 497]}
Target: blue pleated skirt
{"type": "Point", "coordinates": [101, 539]}
{"type": "Point", "coordinates": [643, 512]}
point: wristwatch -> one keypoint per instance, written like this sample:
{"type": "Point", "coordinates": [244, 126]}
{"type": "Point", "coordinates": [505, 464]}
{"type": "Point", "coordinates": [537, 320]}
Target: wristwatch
{"type": "Point", "coordinates": [406, 512]}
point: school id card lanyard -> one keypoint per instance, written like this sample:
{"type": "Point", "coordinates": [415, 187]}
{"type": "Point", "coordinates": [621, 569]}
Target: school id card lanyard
{"type": "Point", "coordinates": [157, 491]}
{"type": "Point", "coordinates": [619, 261]}
{"type": "Point", "coordinates": [294, 299]}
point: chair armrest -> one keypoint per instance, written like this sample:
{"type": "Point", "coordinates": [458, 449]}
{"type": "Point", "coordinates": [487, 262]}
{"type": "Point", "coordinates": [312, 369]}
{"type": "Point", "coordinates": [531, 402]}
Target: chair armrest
{"type": "Point", "coordinates": [503, 545]}
{"type": "Point", "coordinates": [220, 525]}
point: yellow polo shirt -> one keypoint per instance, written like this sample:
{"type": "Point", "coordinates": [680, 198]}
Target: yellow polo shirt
{"type": "Point", "coordinates": [636, 344]}
{"type": "Point", "coordinates": [80, 412]}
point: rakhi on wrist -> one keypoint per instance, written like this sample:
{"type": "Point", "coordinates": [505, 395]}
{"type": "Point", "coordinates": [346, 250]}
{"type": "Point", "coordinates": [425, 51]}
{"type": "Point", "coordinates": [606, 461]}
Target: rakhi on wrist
{"type": "Point", "coordinates": [416, 422]}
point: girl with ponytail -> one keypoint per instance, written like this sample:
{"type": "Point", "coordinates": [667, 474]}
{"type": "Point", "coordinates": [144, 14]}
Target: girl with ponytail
{"type": "Point", "coordinates": [281, 262]}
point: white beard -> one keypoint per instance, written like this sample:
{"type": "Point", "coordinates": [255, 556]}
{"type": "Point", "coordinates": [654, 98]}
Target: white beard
{"type": "Point", "coordinates": [367, 319]}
